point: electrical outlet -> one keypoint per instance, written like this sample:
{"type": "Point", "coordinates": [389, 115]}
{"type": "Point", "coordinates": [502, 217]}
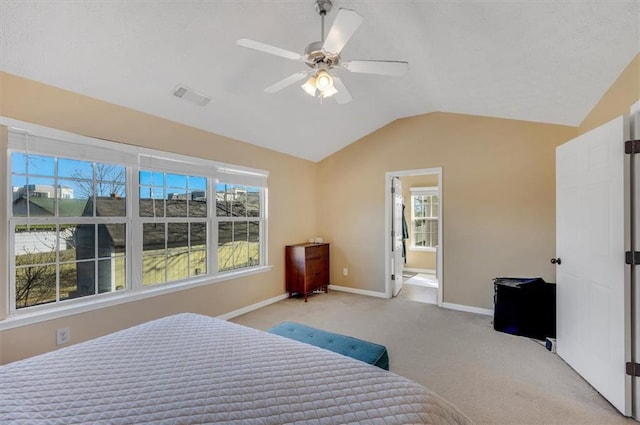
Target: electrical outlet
{"type": "Point", "coordinates": [63, 336]}
{"type": "Point", "coordinates": [345, 272]}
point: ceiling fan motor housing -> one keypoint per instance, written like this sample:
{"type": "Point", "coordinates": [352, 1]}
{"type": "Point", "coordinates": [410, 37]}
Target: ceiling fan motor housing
{"type": "Point", "coordinates": [313, 55]}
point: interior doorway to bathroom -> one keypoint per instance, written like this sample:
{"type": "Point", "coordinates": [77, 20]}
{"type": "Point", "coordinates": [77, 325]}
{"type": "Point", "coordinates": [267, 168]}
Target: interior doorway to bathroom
{"type": "Point", "coordinates": [421, 275]}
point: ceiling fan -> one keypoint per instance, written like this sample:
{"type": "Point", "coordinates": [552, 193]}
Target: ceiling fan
{"type": "Point", "coordinates": [324, 55]}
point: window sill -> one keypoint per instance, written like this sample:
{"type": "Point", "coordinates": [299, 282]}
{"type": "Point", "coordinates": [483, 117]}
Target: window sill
{"type": "Point", "coordinates": [422, 249]}
{"type": "Point", "coordinates": [28, 318]}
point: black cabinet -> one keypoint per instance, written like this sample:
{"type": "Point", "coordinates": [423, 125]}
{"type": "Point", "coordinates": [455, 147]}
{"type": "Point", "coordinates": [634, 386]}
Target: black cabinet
{"type": "Point", "coordinates": [525, 307]}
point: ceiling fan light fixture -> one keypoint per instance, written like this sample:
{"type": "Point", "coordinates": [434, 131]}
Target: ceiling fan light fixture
{"type": "Point", "coordinates": [321, 85]}
{"type": "Point", "coordinates": [310, 86]}
{"type": "Point", "coordinates": [324, 81]}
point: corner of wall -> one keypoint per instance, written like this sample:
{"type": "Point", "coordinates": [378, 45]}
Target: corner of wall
{"type": "Point", "coordinates": [617, 100]}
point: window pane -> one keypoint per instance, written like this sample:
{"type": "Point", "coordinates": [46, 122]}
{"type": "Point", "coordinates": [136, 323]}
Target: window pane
{"type": "Point", "coordinates": [75, 168]}
{"type": "Point", "coordinates": [418, 208]}
{"type": "Point", "coordinates": [197, 205]}
{"type": "Point", "coordinates": [41, 192]}
{"type": "Point", "coordinates": [111, 275]}
{"type": "Point", "coordinates": [40, 165]}
{"type": "Point", "coordinates": [225, 246]}
{"type": "Point", "coordinates": [153, 245]}
{"type": "Point", "coordinates": [177, 264]}
{"type": "Point", "coordinates": [111, 173]}
{"type": "Point", "coordinates": [75, 198]}
{"type": "Point", "coordinates": [176, 195]}
{"type": "Point", "coordinates": [198, 262]}
{"type": "Point", "coordinates": [75, 189]}
{"type": "Point", "coordinates": [18, 189]}
{"type": "Point", "coordinates": [153, 269]}
{"type": "Point", "coordinates": [197, 196]}
{"type": "Point", "coordinates": [239, 201]}
{"type": "Point", "coordinates": [18, 163]}
{"type": "Point", "coordinates": [223, 200]}
{"type": "Point", "coordinates": [198, 184]}
{"type": "Point", "coordinates": [253, 202]}
{"type": "Point", "coordinates": [240, 245]}
{"type": "Point", "coordinates": [178, 235]}
{"type": "Point", "coordinates": [177, 205]}
{"type": "Point", "coordinates": [77, 279]}
{"type": "Point", "coordinates": [111, 240]}
{"type": "Point", "coordinates": [198, 235]}
{"type": "Point", "coordinates": [254, 243]}
{"type": "Point", "coordinates": [35, 284]}
{"type": "Point", "coordinates": [151, 178]}
{"type": "Point", "coordinates": [151, 201]}
{"type": "Point", "coordinates": [113, 206]}
{"type": "Point", "coordinates": [37, 245]}
{"type": "Point", "coordinates": [77, 242]}
{"type": "Point", "coordinates": [177, 181]}
{"type": "Point", "coordinates": [153, 237]}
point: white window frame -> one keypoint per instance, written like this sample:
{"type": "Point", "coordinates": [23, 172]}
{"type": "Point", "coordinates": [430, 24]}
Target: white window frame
{"type": "Point", "coordinates": [35, 139]}
{"type": "Point", "coordinates": [421, 191]}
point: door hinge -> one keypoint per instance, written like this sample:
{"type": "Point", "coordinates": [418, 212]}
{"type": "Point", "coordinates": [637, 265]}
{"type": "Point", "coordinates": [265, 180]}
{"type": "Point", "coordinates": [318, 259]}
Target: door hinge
{"type": "Point", "coordinates": [632, 146]}
{"type": "Point", "coordinates": [393, 277]}
{"type": "Point", "coordinates": [633, 369]}
{"type": "Point", "coordinates": [393, 189]}
{"type": "Point", "coordinates": [630, 258]}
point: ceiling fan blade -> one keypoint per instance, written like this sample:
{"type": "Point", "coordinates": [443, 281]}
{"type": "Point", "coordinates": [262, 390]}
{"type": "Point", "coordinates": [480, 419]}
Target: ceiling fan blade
{"type": "Point", "coordinates": [344, 26]}
{"type": "Point", "coordinates": [342, 96]}
{"type": "Point", "coordinates": [392, 68]}
{"type": "Point", "coordinates": [291, 79]}
{"type": "Point", "coordinates": [267, 48]}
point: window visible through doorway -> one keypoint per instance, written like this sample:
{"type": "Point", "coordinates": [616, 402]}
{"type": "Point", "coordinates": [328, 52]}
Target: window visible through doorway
{"type": "Point", "coordinates": [424, 218]}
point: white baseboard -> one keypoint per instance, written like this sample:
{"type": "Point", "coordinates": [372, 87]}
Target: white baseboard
{"type": "Point", "coordinates": [416, 270]}
{"type": "Point", "coordinates": [358, 291]}
{"type": "Point", "coordinates": [247, 309]}
{"type": "Point", "coordinates": [468, 309]}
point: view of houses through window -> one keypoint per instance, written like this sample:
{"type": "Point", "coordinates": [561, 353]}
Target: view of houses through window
{"type": "Point", "coordinates": [71, 226]}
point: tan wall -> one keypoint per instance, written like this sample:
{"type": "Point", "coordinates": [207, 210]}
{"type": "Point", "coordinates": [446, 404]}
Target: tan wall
{"type": "Point", "coordinates": [417, 259]}
{"type": "Point", "coordinates": [498, 196]}
{"type": "Point", "coordinates": [623, 93]}
{"type": "Point", "coordinates": [292, 208]}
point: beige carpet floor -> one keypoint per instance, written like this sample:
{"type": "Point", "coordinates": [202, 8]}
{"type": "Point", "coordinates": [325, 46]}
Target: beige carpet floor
{"type": "Point", "coordinates": [495, 378]}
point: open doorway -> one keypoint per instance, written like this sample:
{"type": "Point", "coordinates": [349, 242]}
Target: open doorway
{"type": "Point", "coordinates": [420, 276]}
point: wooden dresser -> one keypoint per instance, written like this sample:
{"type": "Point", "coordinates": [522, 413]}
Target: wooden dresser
{"type": "Point", "coordinates": [307, 268]}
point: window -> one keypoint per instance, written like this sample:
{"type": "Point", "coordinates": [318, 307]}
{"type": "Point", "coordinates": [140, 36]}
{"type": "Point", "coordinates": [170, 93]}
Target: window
{"type": "Point", "coordinates": [424, 218]}
{"type": "Point", "coordinates": [173, 212]}
{"type": "Point", "coordinates": [68, 227]}
{"type": "Point", "coordinates": [238, 212]}
{"type": "Point", "coordinates": [116, 219]}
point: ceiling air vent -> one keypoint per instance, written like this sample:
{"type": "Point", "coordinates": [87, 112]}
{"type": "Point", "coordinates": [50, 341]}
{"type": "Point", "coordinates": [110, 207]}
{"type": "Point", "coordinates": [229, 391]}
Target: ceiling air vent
{"type": "Point", "coordinates": [191, 96]}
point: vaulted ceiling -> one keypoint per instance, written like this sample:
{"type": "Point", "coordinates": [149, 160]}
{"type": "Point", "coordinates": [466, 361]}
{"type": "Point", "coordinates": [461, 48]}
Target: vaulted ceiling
{"type": "Point", "coordinates": [546, 61]}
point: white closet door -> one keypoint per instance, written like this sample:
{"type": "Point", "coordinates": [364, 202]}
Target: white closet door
{"type": "Point", "coordinates": [592, 312]}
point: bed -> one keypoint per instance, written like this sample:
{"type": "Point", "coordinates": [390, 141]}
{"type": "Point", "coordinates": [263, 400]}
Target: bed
{"type": "Point", "coordinates": [194, 369]}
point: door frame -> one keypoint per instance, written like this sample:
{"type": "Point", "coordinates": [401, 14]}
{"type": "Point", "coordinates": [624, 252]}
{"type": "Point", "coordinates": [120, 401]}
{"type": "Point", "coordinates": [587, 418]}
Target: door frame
{"type": "Point", "coordinates": [388, 202]}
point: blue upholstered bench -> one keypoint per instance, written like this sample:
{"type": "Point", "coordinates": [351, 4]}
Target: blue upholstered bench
{"type": "Point", "coordinates": [365, 351]}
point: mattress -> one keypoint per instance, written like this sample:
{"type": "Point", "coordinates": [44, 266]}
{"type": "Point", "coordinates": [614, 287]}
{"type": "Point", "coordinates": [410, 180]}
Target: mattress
{"type": "Point", "coordinates": [194, 369]}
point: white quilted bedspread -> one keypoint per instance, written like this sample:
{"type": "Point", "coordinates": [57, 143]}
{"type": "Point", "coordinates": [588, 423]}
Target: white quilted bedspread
{"type": "Point", "coordinates": [192, 369]}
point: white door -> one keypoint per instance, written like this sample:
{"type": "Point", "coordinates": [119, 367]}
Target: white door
{"type": "Point", "coordinates": [592, 313]}
{"type": "Point", "coordinates": [397, 257]}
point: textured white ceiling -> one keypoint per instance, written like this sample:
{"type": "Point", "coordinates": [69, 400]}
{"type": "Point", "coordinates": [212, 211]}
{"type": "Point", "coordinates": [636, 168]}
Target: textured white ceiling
{"type": "Point", "coordinates": [547, 61]}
